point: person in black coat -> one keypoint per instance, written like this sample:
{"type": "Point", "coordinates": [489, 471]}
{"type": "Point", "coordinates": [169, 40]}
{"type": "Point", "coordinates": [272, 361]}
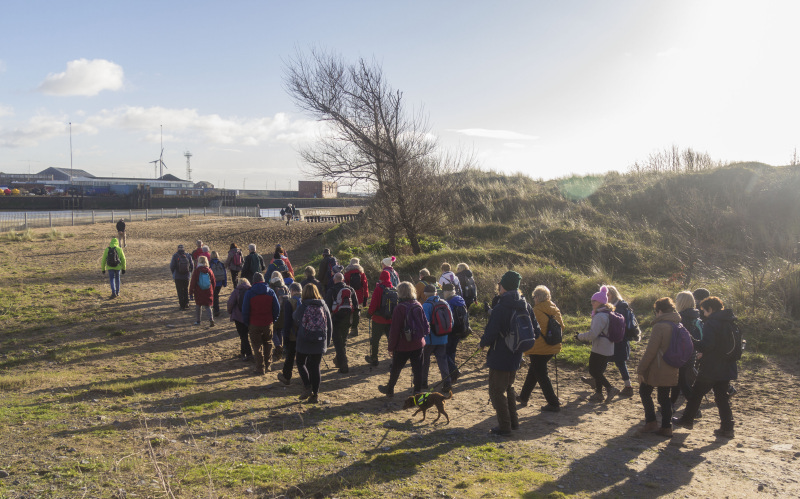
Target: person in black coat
{"type": "Point", "coordinates": [718, 357]}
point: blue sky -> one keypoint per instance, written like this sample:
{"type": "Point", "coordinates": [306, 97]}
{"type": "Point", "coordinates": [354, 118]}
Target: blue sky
{"type": "Point", "coordinates": [544, 88]}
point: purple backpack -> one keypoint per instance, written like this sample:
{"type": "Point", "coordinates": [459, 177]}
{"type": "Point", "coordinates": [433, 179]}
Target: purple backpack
{"type": "Point", "coordinates": [315, 324]}
{"type": "Point", "coordinates": [616, 327]}
{"type": "Point", "coordinates": [680, 347]}
{"type": "Point", "coordinates": [415, 326]}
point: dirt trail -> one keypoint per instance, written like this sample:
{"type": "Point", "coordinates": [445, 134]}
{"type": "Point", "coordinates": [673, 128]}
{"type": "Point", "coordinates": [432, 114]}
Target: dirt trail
{"type": "Point", "coordinates": [595, 446]}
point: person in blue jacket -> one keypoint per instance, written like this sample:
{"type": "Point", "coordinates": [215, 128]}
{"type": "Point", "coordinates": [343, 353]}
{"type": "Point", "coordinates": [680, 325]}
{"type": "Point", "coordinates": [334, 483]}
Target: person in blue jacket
{"type": "Point", "coordinates": [434, 344]}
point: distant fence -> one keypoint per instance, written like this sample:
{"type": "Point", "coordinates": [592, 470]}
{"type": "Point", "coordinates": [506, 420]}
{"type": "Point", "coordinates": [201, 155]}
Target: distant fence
{"type": "Point", "coordinates": [22, 220]}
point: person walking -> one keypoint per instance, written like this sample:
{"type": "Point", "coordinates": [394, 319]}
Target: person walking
{"type": "Point", "coordinates": [718, 351]}
{"type": "Point", "coordinates": [280, 251]}
{"type": "Point", "coordinates": [253, 263]}
{"type": "Point", "coordinates": [435, 343]}
{"type": "Point", "coordinates": [114, 262]}
{"type": "Point", "coordinates": [690, 318]}
{"type": "Point", "coordinates": [289, 332]}
{"type": "Point", "coordinates": [235, 301]}
{"type": "Point", "coordinates": [602, 347]}
{"type": "Point", "coordinates": [381, 319]}
{"type": "Point", "coordinates": [325, 273]}
{"type": "Point", "coordinates": [460, 331]}
{"type": "Point", "coordinates": [504, 363]}
{"type": "Point", "coordinates": [310, 273]}
{"type": "Point", "coordinates": [342, 302]}
{"type": "Point", "coordinates": [234, 263]}
{"type": "Point", "coordinates": [181, 266]}
{"type": "Point", "coordinates": [260, 310]}
{"type": "Point", "coordinates": [314, 334]}
{"type": "Point", "coordinates": [622, 349]}
{"type": "Point", "coordinates": [655, 373]}
{"type": "Point", "coordinates": [121, 237]}
{"type": "Point", "coordinates": [356, 278]}
{"type": "Point", "coordinates": [198, 251]}
{"type": "Point", "coordinates": [387, 265]}
{"type": "Point", "coordinates": [425, 278]}
{"type": "Point", "coordinates": [449, 277]}
{"type": "Point", "coordinates": [201, 289]}
{"type": "Point", "coordinates": [277, 264]}
{"type": "Point", "coordinates": [406, 339]}
{"type": "Point", "coordinates": [220, 278]}
{"type": "Point", "coordinates": [542, 352]}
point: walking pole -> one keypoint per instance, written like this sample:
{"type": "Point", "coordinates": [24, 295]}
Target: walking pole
{"type": "Point", "coordinates": [555, 359]}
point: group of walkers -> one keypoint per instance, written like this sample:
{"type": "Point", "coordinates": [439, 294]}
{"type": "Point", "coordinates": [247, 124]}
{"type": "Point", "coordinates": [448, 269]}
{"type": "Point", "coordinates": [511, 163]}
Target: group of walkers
{"type": "Point", "coordinates": [278, 317]}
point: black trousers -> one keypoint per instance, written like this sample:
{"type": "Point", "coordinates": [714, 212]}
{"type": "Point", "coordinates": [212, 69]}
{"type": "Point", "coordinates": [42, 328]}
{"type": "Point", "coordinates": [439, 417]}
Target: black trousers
{"type": "Point", "coordinates": [289, 349]}
{"type": "Point", "coordinates": [235, 277]}
{"type": "Point", "coordinates": [597, 368]}
{"type": "Point", "coordinates": [537, 373]}
{"type": "Point", "coordinates": [664, 402]}
{"type": "Point", "coordinates": [341, 327]}
{"type": "Point", "coordinates": [182, 286]}
{"type": "Point", "coordinates": [308, 367]}
{"type": "Point", "coordinates": [215, 307]}
{"type": "Point", "coordinates": [685, 377]}
{"type": "Point", "coordinates": [399, 360]}
{"type": "Point", "coordinates": [242, 329]}
{"type": "Point", "coordinates": [701, 387]}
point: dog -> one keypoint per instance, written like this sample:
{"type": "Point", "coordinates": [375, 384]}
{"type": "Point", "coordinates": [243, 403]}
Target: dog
{"type": "Point", "coordinates": [424, 401]}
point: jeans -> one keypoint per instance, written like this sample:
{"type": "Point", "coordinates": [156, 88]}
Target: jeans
{"type": "Point", "coordinates": [399, 360]}
{"type": "Point", "coordinates": [452, 345]}
{"type": "Point", "coordinates": [182, 286]}
{"type": "Point", "coordinates": [113, 279]}
{"type": "Point", "coordinates": [198, 312]}
{"type": "Point", "coordinates": [378, 330]}
{"type": "Point", "coordinates": [646, 393]}
{"type": "Point", "coordinates": [537, 373]}
{"type": "Point", "coordinates": [501, 393]}
{"type": "Point", "coordinates": [308, 367]}
{"type": "Point", "coordinates": [440, 351]}
{"type": "Point", "coordinates": [242, 329]}
{"type": "Point", "coordinates": [623, 369]}
{"type": "Point", "coordinates": [597, 368]}
{"type": "Point", "coordinates": [701, 387]}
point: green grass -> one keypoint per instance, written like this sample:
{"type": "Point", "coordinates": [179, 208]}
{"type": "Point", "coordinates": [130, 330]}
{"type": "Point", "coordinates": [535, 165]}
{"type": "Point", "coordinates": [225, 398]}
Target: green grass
{"type": "Point", "coordinates": [120, 388]}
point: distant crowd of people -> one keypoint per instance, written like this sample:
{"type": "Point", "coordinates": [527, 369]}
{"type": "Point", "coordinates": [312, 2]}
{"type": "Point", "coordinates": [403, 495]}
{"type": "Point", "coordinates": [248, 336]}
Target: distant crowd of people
{"type": "Point", "coordinates": [693, 348]}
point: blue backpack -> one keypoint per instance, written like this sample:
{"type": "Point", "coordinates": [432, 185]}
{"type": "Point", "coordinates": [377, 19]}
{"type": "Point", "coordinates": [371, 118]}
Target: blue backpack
{"type": "Point", "coordinates": [203, 281]}
{"type": "Point", "coordinates": [521, 334]}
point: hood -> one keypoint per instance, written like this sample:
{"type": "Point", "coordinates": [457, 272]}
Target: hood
{"type": "Point", "coordinates": [114, 243]}
{"type": "Point", "coordinates": [261, 288]}
{"type": "Point", "coordinates": [690, 314]}
{"type": "Point", "coordinates": [354, 267]}
{"type": "Point", "coordinates": [432, 299]}
{"type": "Point", "coordinates": [314, 301]}
{"type": "Point", "coordinates": [513, 299]}
{"type": "Point", "coordinates": [243, 285]}
{"type": "Point", "coordinates": [669, 317]}
{"type": "Point", "coordinates": [386, 279]}
{"type": "Point", "coordinates": [723, 315]}
{"type": "Point", "coordinates": [456, 301]}
{"type": "Point", "coordinates": [180, 251]}
{"type": "Point", "coordinates": [547, 307]}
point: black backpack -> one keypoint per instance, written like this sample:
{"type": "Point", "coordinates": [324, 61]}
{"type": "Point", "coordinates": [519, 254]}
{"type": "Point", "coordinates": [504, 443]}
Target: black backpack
{"type": "Point", "coordinates": [112, 258]}
{"type": "Point", "coordinates": [460, 321]}
{"type": "Point", "coordinates": [732, 341]}
{"type": "Point", "coordinates": [355, 280]}
{"type": "Point", "coordinates": [554, 333]}
{"type": "Point", "coordinates": [469, 288]}
{"type": "Point", "coordinates": [388, 302]}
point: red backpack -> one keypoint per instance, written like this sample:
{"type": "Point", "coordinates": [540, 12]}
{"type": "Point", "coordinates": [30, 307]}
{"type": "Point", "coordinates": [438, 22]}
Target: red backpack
{"type": "Point", "coordinates": [343, 300]}
{"type": "Point", "coordinates": [441, 319]}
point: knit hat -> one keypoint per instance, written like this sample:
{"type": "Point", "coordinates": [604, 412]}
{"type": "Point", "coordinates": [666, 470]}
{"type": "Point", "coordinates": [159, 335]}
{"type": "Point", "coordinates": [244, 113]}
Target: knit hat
{"type": "Point", "coordinates": [601, 296]}
{"type": "Point", "coordinates": [258, 277]}
{"type": "Point", "coordinates": [449, 287]}
{"type": "Point", "coordinates": [430, 289]}
{"type": "Point", "coordinates": [180, 247]}
{"type": "Point", "coordinates": [385, 277]}
{"type": "Point", "coordinates": [700, 294]}
{"type": "Point", "coordinates": [510, 280]}
{"type": "Point", "coordinates": [388, 261]}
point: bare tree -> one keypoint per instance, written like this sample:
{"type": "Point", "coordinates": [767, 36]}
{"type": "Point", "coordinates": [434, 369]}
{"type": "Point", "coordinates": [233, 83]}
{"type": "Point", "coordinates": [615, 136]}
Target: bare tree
{"type": "Point", "coordinates": [371, 139]}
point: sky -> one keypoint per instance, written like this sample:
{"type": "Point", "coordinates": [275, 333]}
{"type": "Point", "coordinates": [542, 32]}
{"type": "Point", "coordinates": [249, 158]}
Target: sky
{"type": "Point", "coordinates": [549, 89]}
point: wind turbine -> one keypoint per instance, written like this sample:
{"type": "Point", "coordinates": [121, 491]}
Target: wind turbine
{"type": "Point", "coordinates": [160, 161]}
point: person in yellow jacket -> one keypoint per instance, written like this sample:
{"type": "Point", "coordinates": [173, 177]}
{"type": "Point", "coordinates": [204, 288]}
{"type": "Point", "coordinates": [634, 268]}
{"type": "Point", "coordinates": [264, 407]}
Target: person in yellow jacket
{"type": "Point", "coordinates": [114, 262]}
{"type": "Point", "coordinates": [541, 353]}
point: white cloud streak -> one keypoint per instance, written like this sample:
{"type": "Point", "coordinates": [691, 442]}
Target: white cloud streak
{"type": "Point", "coordinates": [6, 111]}
{"type": "Point", "coordinates": [494, 134]}
{"type": "Point", "coordinates": [85, 78]}
{"type": "Point", "coordinates": [41, 128]}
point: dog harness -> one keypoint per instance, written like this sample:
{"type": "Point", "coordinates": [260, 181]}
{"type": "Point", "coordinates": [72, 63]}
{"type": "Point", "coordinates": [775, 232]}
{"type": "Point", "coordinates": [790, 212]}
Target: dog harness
{"type": "Point", "coordinates": [421, 398]}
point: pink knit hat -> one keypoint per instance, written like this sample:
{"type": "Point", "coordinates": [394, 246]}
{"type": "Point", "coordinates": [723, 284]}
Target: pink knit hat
{"type": "Point", "coordinates": [601, 296]}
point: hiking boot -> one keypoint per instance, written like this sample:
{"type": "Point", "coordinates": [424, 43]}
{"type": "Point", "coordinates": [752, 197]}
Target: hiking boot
{"type": "Point", "coordinates": [551, 408]}
{"type": "Point", "coordinates": [454, 376]}
{"type": "Point", "coordinates": [313, 399]}
{"type": "Point", "coordinates": [611, 394]}
{"type": "Point", "coordinates": [211, 324]}
{"type": "Point", "coordinates": [283, 379]}
{"type": "Point", "coordinates": [368, 359]}
{"type": "Point", "coordinates": [723, 433]}
{"type": "Point", "coordinates": [500, 432]}
{"type": "Point", "coordinates": [248, 358]}
{"type": "Point", "coordinates": [626, 392]}
{"type": "Point", "coordinates": [731, 392]}
{"type": "Point", "coordinates": [698, 415]}
{"type": "Point", "coordinates": [258, 372]}
{"type": "Point", "coordinates": [353, 332]}
{"type": "Point", "coordinates": [112, 296]}
{"type": "Point", "coordinates": [665, 432]}
{"type": "Point", "coordinates": [389, 392]}
{"type": "Point", "coordinates": [521, 401]}
{"type": "Point", "coordinates": [306, 393]}
{"type": "Point", "coordinates": [597, 397]}
{"type": "Point", "coordinates": [651, 427]}
{"type": "Point", "coordinates": [589, 381]}
{"type": "Point", "coordinates": [344, 369]}
{"type": "Point", "coordinates": [682, 423]}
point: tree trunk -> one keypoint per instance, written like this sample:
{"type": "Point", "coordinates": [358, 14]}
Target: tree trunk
{"type": "Point", "coordinates": [414, 239]}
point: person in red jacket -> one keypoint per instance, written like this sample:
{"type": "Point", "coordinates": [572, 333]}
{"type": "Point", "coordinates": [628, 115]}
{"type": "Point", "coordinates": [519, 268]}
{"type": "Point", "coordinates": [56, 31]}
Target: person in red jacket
{"type": "Point", "coordinates": [355, 277]}
{"type": "Point", "coordinates": [260, 310]}
{"type": "Point", "coordinates": [203, 297]}
{"type": "Point", "coordinates": [380, 324]}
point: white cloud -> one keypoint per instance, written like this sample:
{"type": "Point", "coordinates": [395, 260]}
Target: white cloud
{"type": "Point", "coordinates": [514, 145]}
{"type": "Point", "coordinates": [84, 77]}
{"type": "Point", "coordinates": [188, 125]}
{"type": "Point", "coordinates": [41, 128]}
{"type": "Point", "coordinates": [494, 134]}
{"type": "Point", "coordinates": [6, 111]}
{"type": "Point", "coordinates": [670, 52]}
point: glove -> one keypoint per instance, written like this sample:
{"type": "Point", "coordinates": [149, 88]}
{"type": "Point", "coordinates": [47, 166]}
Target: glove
{"type": "Point", "coordinates": [103, 271]}
{"type": "Point", "coordinates": [577, 339]}
{"type": "Point", "coordinates": [123, 271]}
